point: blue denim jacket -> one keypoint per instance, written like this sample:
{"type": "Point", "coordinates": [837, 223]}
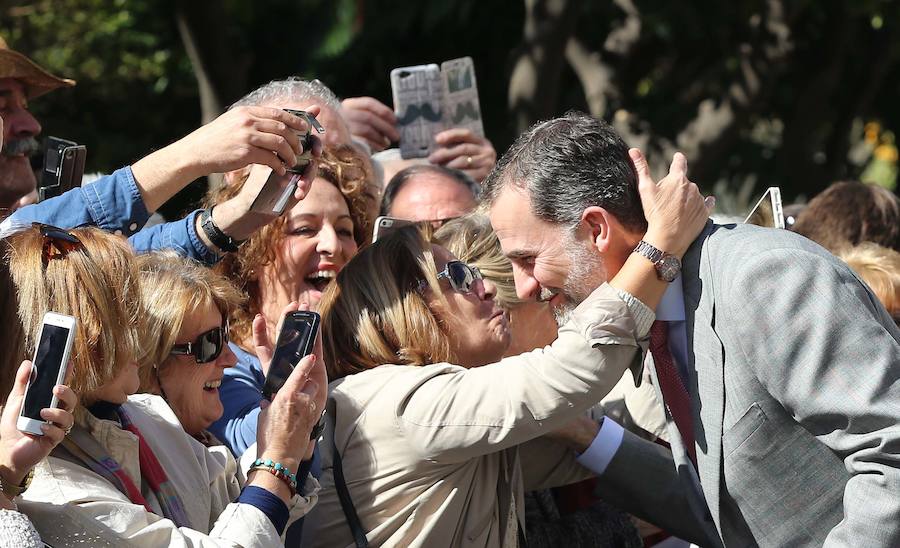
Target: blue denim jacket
{"type": "Point", "coordinates": [114, 203]}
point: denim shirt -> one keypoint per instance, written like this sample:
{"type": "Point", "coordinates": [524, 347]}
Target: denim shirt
{"type": "Point", "coordinates": [113, 203]}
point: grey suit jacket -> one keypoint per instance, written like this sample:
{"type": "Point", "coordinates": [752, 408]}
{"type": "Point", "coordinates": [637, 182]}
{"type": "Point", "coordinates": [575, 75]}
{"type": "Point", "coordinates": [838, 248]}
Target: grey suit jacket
{"type": "Point", "coordinates": [795, 380]}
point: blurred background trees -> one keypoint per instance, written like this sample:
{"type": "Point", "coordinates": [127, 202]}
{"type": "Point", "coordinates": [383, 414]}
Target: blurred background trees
{"type": "Point", "coordinates": [756, 93]}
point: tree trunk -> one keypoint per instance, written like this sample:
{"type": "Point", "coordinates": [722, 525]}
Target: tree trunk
{"type": "Point", "coordinates": [220, 69]}
{"type": "Point", "coordinates": [534, 84]}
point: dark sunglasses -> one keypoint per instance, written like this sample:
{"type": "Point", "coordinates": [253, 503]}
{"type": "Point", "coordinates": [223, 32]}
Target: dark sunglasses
{"type": "Point", "coordinates": [206, 347]}
{"type": "Point", "coordinates": [57, 243]}
{"type": "Point", "coordinates": [460, 275]}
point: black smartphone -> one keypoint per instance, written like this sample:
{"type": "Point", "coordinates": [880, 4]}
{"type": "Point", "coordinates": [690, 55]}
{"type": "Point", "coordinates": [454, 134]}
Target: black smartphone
{"type": "Point", "coordinates": [51, 357]}
{"type": "Point", "coordinates": [295, 341]}
{"type": "Point", "coordinates": [63, 167]}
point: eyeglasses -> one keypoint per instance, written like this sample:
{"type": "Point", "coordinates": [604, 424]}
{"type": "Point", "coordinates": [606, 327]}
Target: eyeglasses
{"type": "Point", "coordinates": [460, 275]}
{"type": "Point", "coordinates": [57, 243]}
{"type": "Point", "coordinates": [206, 347]}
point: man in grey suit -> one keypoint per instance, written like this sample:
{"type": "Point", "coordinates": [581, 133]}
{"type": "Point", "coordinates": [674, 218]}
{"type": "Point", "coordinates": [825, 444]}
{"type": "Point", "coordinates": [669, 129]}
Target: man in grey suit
{"type": "Point", "coordinates": [778, 367]}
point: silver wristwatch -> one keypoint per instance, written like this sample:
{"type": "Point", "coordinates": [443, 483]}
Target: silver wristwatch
{"type": "Point", "coordinates": [667, 266]}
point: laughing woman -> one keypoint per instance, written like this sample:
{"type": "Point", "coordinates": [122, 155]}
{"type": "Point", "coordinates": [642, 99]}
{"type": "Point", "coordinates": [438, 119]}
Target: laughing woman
{"type": "Point", "coordinates": [187, 308]}
{"type": "Point", "coordinates": [290, 260]}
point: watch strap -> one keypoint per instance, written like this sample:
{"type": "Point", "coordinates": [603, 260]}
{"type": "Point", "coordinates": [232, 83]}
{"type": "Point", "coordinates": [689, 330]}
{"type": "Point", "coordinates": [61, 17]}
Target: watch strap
{"type": "Point", "coordinates": [214, 233]}
{"type": "Point", "coordinates": [650, 251]}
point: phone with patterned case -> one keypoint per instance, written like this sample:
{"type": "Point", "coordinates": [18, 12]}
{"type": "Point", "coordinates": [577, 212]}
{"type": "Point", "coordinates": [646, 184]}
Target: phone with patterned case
{"type": "Point", "coordinates": [461, 106]}
{"type": "Point", "coordinates": [418, 104]}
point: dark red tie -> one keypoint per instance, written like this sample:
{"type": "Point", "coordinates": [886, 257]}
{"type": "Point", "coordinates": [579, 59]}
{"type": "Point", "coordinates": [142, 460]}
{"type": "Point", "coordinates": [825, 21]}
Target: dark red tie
{"type": "Point", "coordinates": [676, 397]}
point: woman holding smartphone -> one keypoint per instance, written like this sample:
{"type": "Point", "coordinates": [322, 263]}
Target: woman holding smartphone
{"type": "Point", "coordinates": [424, 417]}
{"type": "Point", "coordinates": [128, 464]}
{"type": "Point", "coordinates": [291, 260]}
{"type": "Point", "coordinates": [20, 452]}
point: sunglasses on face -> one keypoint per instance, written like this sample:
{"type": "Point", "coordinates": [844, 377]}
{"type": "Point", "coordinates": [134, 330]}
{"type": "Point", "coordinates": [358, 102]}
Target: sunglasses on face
{"type": "Point", "coordinates": [57, 243]}
{"type": "Point", "coordinates": [206, 347]}
{"type": "Point", "coordinates": [460, 275]}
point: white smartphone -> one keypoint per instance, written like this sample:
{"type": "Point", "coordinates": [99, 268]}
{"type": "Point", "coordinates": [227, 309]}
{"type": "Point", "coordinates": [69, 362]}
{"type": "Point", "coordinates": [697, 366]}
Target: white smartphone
{"type": "Point", "coordinates": [51, 358]}
{"type": "Point", "coordinates": [418, 102]}
{"type": "Point", "coordinates": [385, 225]}
{"type": "Point", "coordinates": [767, 211]}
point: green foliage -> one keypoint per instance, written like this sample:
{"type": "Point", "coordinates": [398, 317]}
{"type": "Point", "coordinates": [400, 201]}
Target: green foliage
{"type": "Point", "coordinates": [137, 90]}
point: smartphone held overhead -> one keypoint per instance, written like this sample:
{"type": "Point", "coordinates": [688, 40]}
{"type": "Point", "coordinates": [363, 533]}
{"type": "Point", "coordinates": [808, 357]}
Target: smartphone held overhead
{"type": "Point", "coordinates": [63, 167]}
{"type": "Point", "coordinates": [51, 358]}
{"type": "Point", "coordinates": [429, 99]}
{"type": "Point", "coordinates": [277, 191]}
{"type": "Point", "coordinates": [767, 211]}
{"type": "Point", "coordinates": [295, 341]}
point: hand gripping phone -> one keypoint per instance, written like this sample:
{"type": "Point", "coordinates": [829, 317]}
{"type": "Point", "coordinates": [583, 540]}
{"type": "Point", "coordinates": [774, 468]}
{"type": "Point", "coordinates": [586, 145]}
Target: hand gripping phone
{"type": "Point", "coordinates": [63, 167]}
{"type": "Point", "coordinates": [767, 211]}
{"type": "Point", "coordinates": [51, 358]}
{"type": "Point", "coordinates": [278, 190]}
{"type": "Point", "coordinates": [295, 341]}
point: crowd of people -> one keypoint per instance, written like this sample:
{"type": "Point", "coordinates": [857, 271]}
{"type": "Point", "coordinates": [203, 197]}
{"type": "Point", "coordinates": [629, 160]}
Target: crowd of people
{"type": "Point", "coordinates": [556, 350]}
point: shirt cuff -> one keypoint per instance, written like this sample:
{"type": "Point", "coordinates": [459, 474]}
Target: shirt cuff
{"type": "Point", "coordinates": [273, 507]}
{"type": "Point", "coordinates": [604, 447]}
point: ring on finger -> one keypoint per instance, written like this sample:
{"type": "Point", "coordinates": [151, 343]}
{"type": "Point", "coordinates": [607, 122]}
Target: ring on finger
{"type": "Point", "coordinates": [468, 161]}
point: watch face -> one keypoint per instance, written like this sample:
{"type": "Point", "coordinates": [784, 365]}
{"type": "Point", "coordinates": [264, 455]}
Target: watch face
{"type": "Point", "coordinates": [668, 268]}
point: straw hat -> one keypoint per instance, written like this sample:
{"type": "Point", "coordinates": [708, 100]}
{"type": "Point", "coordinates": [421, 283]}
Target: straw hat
{"type": "Point", "coordinates": [36, 80]}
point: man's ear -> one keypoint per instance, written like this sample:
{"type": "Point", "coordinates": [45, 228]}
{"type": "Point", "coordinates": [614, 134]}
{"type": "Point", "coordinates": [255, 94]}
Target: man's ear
{"type": "Point", "coordinates": [600, 225]}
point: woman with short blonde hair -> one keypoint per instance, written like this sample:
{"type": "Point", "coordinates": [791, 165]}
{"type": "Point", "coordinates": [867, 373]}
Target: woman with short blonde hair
{"type": "Point", "coordinates": [179, 295]}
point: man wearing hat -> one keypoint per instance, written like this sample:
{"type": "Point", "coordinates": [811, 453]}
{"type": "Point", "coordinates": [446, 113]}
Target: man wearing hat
{"type": "Point", "coordinates": [21, 80]}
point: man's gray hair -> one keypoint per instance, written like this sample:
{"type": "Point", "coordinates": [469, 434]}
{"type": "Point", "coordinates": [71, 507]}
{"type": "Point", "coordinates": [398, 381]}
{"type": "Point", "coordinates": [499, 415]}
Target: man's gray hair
{"type": "Point", "coordinates": [293, 88]}
{"type": "Point", "coordinates": [567, 165]}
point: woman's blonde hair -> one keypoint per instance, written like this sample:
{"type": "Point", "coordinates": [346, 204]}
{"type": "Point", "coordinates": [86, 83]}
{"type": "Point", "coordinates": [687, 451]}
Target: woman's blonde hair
{"type": "Point", "coordinates": [342, 166]}
{"type": "Point", "coordinates": [472, 240]}
{"type": "Point", "coordinates": [12, 337]}
{"type": "Point", "coordinates": [375, 313]}
{"type": "Point", "coordinates": [879, 267]}
{"type": "Point", "coordinates": [97, 283]}
{"type": "Point", "coordinates": [172, 287]}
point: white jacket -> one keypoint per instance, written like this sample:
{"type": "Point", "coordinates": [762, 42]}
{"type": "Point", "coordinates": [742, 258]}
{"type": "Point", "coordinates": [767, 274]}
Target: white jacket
{"type": "Point", "coordinates": [206, 480]}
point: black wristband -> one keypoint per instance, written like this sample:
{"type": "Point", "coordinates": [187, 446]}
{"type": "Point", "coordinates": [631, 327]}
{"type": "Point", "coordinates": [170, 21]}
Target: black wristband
{"type": "Point", "coordinates": [216, 236]}
{"type": "Point", "coordinates": [318, 428]}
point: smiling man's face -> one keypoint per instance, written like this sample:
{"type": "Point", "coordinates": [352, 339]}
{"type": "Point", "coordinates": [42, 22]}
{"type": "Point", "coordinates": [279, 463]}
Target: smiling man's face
{"type": "Point", "coordinates": [19, 131]}
{"type": "Point", "coordinates": [549, 262]}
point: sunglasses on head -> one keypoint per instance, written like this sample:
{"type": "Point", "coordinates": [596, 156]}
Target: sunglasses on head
{"type": "Point", "coordinates": [460, 275]}
{"type": "Point", "coordinates": [206, 347]}
{"type": "Point", "coordinates": [57, 242]}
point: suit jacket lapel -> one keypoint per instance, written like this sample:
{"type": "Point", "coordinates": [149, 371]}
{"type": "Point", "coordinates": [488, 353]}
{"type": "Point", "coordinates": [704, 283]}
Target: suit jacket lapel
{"type": "Point", "coordinates": [705, 369]}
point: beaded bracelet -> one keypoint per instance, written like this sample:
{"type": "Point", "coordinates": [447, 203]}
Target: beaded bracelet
{"type": "Point", "coordinates": [278, 470]}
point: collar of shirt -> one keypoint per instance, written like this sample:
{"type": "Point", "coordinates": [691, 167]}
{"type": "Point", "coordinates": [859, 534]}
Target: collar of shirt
{"type": "Point", "coordinates": [671, 307]}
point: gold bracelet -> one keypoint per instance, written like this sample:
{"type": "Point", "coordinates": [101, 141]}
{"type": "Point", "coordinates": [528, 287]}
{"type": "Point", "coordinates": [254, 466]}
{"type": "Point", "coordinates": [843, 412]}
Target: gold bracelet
{"type": "Point", "coordinates": [15, 490]}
